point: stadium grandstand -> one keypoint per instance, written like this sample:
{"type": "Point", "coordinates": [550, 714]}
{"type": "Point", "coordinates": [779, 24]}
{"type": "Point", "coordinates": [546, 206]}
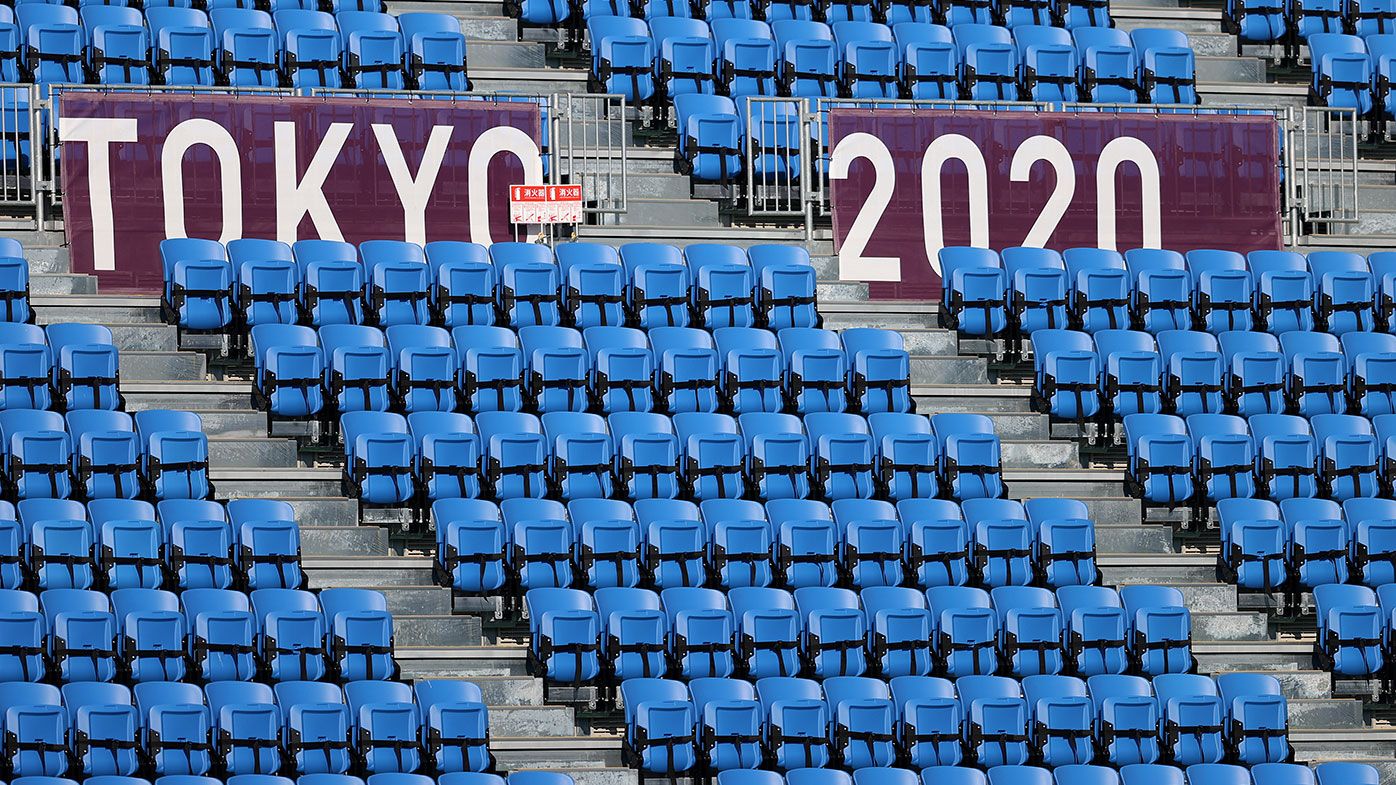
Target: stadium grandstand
{"type": "Point", "coordinates": [702, 392]}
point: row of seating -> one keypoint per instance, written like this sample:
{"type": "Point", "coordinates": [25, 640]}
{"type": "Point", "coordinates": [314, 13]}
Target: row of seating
{"type": "Point", "coordinates": [200, 634]}
{"type": "Point", "coordinates": [1205, 458]}
{"type": "Point", "coordinates": [1267, 22]}
{"type": "Point", "coordinates": [1068, 13]}
{"type": "Point", "coordinates": [1303, 543]}
{"type": "Point", "coordinates": [1332, 773]}
{"type": "Point", "coordinates": [158, 454]}
{"type": "Point", "coordinates": [121, 544]}
{"type": "Point", "coordinates": [1119, 372]}
{"type": "Point", "coordinates": [229, 727]}
{"type": "Point", "coordinates": [575, 455]}
{"type": "Point", "coordinates": [238, 46]}
{"type": "Point", "coordinates": [450, 284]}
{"type": "Point", "coordinates": [66, 366]}
{"type": "Point", "coordinates": [303, 373]}
{"type": "Point", "coordinates": [820, 632]}
{"type": "Point", "coordinates": [972, 60]}
{"type": "Point", "coordinates": [1353, 73]}
{"type": "Point", "coordinates": [923, 722]}
{"type": "Point", "coordinates": [727, 543]}
{"type": "Point", "coordinates": [1022, 290]}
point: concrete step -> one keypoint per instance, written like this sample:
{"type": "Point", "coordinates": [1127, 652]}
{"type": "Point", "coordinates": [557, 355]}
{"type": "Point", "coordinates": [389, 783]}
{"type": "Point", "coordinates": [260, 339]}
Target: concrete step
{"type": "Point", "coordinates": [686, 234]}
{"type": "Point", "coordinates": [1132, 539]}
{"type": "Point", "coordinates": [137, 366]}
{"type": "Point", "coordinates": [61, 284]}
{"type": "Point", "coordinates": [234, 482]}
{"type": "Point", "coordinates": [1158, 569]}
{"type": "Point", "coordinates": [528, 80]}
{"type": "Point", "coordinates": [1231, 69]}
{"type": "Point", "coordinates": [202, 395]}
{"type": "Point", "coordinates": [48, 259]}
{"type": "Point", "coordinates": [1072, 483]}
{"type": "Point", "coordinates": [462, 662]}
{"type": "Point", "coordinates": [1342, 743]}
{"type": "Point", "coordinates": [1306, 684]}
{"type": "Point", "coordinates": [343, 541]}
{"type": "Point", "coordinates": [1270, 656]}
{"type": "Point", "coordinates": [539, 721]}
{"type": "Point", "coordinates": [667, 212]}
{"type": "Point", "coordinates": [489, 28]}
{"type": "Point", "coordinates": [983, 399]}
{"type": "Point", "coordinates": [948, 370]}
{"type": "Point", "coordinates": [102, 310]}
{"type": "Point", "coordinates": [842, 291]}
{"type": "Point", "coordinates": [368, 571]}
{"type": "Point", "coordinates": [1234, 626]}
{"type": "Point", "coordinates": [1115, 512]}
{"type": "Point", "coordinates": [241, 423]}
{"type": "Point", "coordinates": [1242, 93]}
{"type": "Point", "coordinates": [1040, 455]}
{"type": "Point", "coordinates": [338, 513]}
{"type": "Point", "coordinates": [933, 342]}
{"type": "Point", "coordinates": [440, 630]}
{"type": "Point", "coordinates": [497, 55]}
{"type": "Point", "coordinates": [258, 453]}
{"type": "Point", "coordinates": [1323, 713]}
{"type": "Point", "coordinates": [571, 755]}
{"type": "Point", "coordinates": [428, 599]}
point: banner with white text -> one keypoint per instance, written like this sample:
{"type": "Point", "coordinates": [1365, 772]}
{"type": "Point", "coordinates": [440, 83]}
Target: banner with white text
{"type": "Point", "coordinates": [907, 183]}
{"type": "Point", "coordinates": [139, 168]}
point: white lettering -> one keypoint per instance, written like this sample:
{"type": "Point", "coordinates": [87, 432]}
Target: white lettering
{"type": "Point", "coordinates": [501, 139]}
{"type": "Point", "coordinates": [216, 138]}
{"type": "Point", "coordinates": [295, 198]}
{"type": "Point", "coordinates": [413, 192]}
{"type": "Point", "coordinates": [99, 133]}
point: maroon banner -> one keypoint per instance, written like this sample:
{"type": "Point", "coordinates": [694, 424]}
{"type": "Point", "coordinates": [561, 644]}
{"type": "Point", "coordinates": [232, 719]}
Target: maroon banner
{"type": "Point", "coordinates": [907, 183]}
{"type": "Point", "coordinates": [139, 168]}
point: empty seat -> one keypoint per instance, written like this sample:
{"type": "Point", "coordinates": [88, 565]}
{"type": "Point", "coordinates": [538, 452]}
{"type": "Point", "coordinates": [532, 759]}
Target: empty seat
{"type": "Point", "coordinates": [660, 724]}
{"type": "Point", "coordinates": [359, 634]}
{"type": "Point", "coordinates": [290, 634]}
{"type": "Point", "coordinates": [565, 632]}
{"type": "Point", "coordinates": [1223, 290]}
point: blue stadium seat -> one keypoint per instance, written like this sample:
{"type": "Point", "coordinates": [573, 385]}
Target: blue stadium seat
{"type": "Point", "coordinates": [267, 279]}
{"type": "Point", "coordinates": [1257, 718]}
{"type": "Point", "coordinates": [1109, 64]}
{"type": "Point", "coordinates": [39, 452]}
{"type": "Point", "coordinates": [471, 544]}
{"type": "Point", "coordinates": [492, 368]}
{"type": "Point", "coordinates": [268, 542]}
{"type": "Point", "coordinates": [975, 300]}
{"type": "Point", "coordinates": [356, 363]}
{"type": "Point", "coordinates": [378, 457]}
{"type": "Point", "coordinates": [622, 57]}
{"type": "Point", "coordinates": [1192, 719]}
{"type": "Point", "coordinates": [1316, 383]}
{"type": "Point", "coordinates": [868, 59]}
{"type": "Point", "coordinates": [359, 634]}
{"type": "Point", "coordinates": [246, 726]}
{"type": "Point", "coordinates": [938, 542]}
{"type": "Point", "coordinates": [1288, 456]}
{"type": "Point", "coordinates": [996, 720]}
{"type": "Point", "coordinates": [862, 718]}
{"type": "Point", "coordinates": [687, 369]}
{"type": "Point", "coordinates": [1349, 456]}
{"type": "Point", "coordinates": [710, 134]}
{"type": "Point", "coordinates": [1131, 372]}
{"type": "Point", "coordinates": [1344, 292]}
{"type": "Point", "coordinates": [1332, 772]}
{"type": "Point", "coordinates": [462, 279]}
{"type": "Point", "coordinates": [879, 370]}
{"type": "Point", "coordinates": [622, 369]}
{"type": "Point", "coordinates": [1253, 544]}
{"type": "Point", "coordinates": [807, 57]}
{"type": "Point", "coordinates": [290, 370]}
{"type": "Point", "coordinates": [36, 727]}
{"type": "Point", "coordinates": [387, 726]}
{"type": "Point", "coordinates": [316, 722]}
{"type": "Point", "coordinates": [332, 280]}
{"type": "Point", "coordinates": [1192, 378]}
{"type": "Point", "coordinates": [556, 368]}
{"type": "Point", "coordinates": [1100, 288]}
{"type": "Point", "coordinates": [1223, 290]}
{"type": "Point", "coordinates": [968, 455]}
{"type": "Point", "coordinates": [1127, 717]}
{"type": "Point", "coordinates": [1225, 456]}
{"type": "Point", "coordinates": [456, 725]}
{"type": "Point", "coordinates": [929, 61]}
{"type": "Point", "coordinates": [835, 632]}
{"type": "Point", "coordinates": [1167, 74]}
{"type": "Point", "coordinates": [746, 55]}
{"type": "Point", "coordinates": [53, 43]}
{"type": "Point", "coordinates": [684, 56]}
{"type": "Point", "coordinates": [543, 542]}
{"type": "Point", "coordinates": [816, 370]}
{"type": "Point", "coordinates": [797, 720]}
{"type": "Point", "coordinates": [565, 631]}
{"type": "Point", "coordinates": [1160, 459]}
{"type": "Point", "coordinates": [1096, 626]}
{"type": "Point", "coordinates": [1284, 291]}
{"type": "Point", "coordinates": [104, 716]}
{"type": "Point", "coordinates": [634, 631]}
{"type": "Point", "coordinates": [873, 542]}
{"type": "Point", "coordinates": [1047, 69]}
{"type": "Point", "coordinates": [447, 456]}
{"type": "Point", "coordinates": [1063, 720]}
{"type": "Point", "coordinates": [965, 629]}
{"type": "Point", "coordinates": [1030, 630]}
{"type": "Point", "coordinates": [1255, 372]}
{"type": "Point", "coordinates": [1067, 373]}
{"type": "Point", "coordinates": [753, 369]}
{"type": "Point", "coordinates": [1003, 541]}
{"type": "Point", "coordinates": [199, 543]}
{"type": "Point", "coordinates": [660, 725]}
{"type": "Point", "coordinates": [177, 728]}
{"type": "Point", "coordinates": [1161, 629]}
{"type": "Point", "coordinates": [1350, 630]}
{"type": "Point", "coordinates": [608, 542]}
{"type": "Point", "coordinates": [290, 634]}
{"type": "Point", "coordinates": [1256, 21]}
{"type": "Point", "coordinates": [647, 455]}
{"type": "Point", "coordinates": [1064, 540]}
{"type": "Point", "coordinates": [151, 632]}
{"type": "Point", "coordinates": [221, 631]}
{"type": "Point", "coordinates": [424, 368]}
{"type": "Point", "coordinates": [1161, 289]}
{"type": "Point", "coordinates": [25, 380]}
{"type": "Point", "coordinates": [742, 542]}
{"type": "Point", "coordinates": [807, 542]}
{"type": "Point", "coordinates": [1369, 358]}
{"type": "Point", "coordinates": [785, 291]}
